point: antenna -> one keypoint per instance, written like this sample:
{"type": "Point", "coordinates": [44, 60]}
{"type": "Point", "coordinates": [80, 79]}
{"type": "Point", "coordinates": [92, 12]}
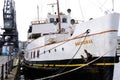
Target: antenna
{"type": "Point", "coordinates": [59, 24]}
{"type": "Point", "coordinates": [113, 5]}
{"type": "Point", "coordinates": [38, 12]}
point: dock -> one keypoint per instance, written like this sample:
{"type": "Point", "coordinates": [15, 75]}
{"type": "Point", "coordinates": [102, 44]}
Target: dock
{"type": "Point", "coordinates": [8, 68]}
{"type": "Point", "coordinates": [116, 71]}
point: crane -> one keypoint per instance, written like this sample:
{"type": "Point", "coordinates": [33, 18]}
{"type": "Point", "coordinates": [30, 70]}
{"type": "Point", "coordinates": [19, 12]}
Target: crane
{"type": "Point", "coordinates": [10, 34]}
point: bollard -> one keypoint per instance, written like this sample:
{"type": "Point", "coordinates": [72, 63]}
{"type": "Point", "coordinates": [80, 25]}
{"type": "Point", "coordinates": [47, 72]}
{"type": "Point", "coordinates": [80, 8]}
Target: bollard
{"type": "Point", "coordinates": [12, 64]}
{"type": "Point", "coordinates": [8, 66]}
{"type": "Point", "coordinates": [2, 72]}
{"type": "Point", "coordinates": [6, 70]}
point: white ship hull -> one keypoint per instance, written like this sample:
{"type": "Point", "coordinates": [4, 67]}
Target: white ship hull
{"type": "Point", "coordinates": [92, 46]}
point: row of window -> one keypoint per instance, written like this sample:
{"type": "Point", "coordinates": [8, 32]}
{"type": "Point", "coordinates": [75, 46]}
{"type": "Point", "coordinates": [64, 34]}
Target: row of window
{"type": "Point", "coordinates": [52, 20]}
{"type": "Point", "coordinates": [36, 54]}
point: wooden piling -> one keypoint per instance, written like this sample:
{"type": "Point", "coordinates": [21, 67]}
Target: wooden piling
{"type": "Point", "coordinates": [6, 70]}
{"type": "Point", "coordinates": [2, 72]}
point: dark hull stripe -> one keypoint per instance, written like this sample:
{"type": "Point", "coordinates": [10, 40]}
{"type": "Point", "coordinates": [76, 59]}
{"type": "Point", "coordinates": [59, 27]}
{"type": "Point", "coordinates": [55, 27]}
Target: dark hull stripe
{"type": "Point", "coordinates": [104, 61]}
{"type": "Point", "coordinates": [85, 73]}
{"type": "Point", "coordinates": [102, 69]}
{"type": "Point", "coordinates": [76, 61]}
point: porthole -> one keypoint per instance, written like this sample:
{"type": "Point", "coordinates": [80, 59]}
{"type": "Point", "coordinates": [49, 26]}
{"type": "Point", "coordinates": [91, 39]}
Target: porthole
{"type": "Point", "coordinates": [51, 20]}
{"type": "Point", "coordinates": [49, 51]}
{"type": "Point", "coordinates": [64, 20]}
{"type": "Point", "coordinates": [62, 49]}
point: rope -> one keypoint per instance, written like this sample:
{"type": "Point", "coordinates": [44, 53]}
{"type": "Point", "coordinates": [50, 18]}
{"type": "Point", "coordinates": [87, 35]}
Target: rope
{"type": "Point", "coordinates": [56, 75]}
{"type": "Point", "coordinates": [100, 6]}
{"type": "Point", "coordinates": [73, 55]}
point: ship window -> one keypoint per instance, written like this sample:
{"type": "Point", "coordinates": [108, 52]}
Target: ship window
{"type": "Point", "coordinates": [34, 55]}
{"type": "Point", "coordinates": [64, 20]}
{"type": "Point", "coordinates": [44, 52]}
{"type": "Point", "coordinates": [31, 54]}
{"type": "Point", "coordinates": [49, 51]}
{"type": "Point", "coordinates": [51, 20]}
{"type": "Point", "coordinates": [57, 20]}
{"type": "Point", "coordinates": [27, 55]}
{"type": "Point", "coordinates": [55, 50]}
{"type": "Point", "coordinates": [30, 29]}
{"type": "Point", "coordinates": [38, 53]}
{"type": "Point", "coordinates": [62, 49]}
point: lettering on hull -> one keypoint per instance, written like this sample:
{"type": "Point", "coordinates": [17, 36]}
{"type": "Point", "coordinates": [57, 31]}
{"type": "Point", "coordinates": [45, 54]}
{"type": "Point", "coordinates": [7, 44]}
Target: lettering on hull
{"type": "Point", "coordinates": [83, 42]}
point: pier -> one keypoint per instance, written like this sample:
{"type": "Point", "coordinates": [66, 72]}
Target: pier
{"type": "Point", "coordinates": [9, 44]}
{"type": "Point", "coordinates": [8, 68]}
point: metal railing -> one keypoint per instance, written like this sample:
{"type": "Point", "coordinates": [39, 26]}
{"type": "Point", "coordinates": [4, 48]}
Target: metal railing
{"type": "Point", "coordinates": [5, 68]}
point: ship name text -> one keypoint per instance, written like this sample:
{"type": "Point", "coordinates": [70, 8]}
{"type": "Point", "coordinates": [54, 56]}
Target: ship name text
{"type": "Point", "coordinates": [83, 42]}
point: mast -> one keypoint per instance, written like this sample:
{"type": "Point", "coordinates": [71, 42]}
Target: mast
{"type": "Point", "coordinates": [59, 23]}
{"type": "Point", "coordinates": [113, 5]}
{"type": "Point", "coordinates": [38, 12]}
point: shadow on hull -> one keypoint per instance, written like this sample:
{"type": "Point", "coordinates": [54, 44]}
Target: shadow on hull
{"type": "Point", "coordinates": [85, 73]}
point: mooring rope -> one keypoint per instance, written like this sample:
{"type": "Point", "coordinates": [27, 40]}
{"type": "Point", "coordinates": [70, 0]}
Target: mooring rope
{"type": "Point", "coordinates": [73, 55]}
{"type": "Point", "coordinates": [56, 75]}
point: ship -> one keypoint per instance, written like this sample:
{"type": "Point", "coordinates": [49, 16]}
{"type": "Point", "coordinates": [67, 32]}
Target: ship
{"type": "Point", "coordinates": [62, 48]}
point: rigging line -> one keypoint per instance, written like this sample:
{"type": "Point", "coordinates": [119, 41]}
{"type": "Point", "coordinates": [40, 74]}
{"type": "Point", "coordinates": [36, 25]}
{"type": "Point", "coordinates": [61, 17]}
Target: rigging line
{"type": "Point", "coordinates": [101, 8]}
{"type": "Point", "coordinates": [83, 18]}
{"type": "Point", "coordinates": [61, 44]}
{"type": "Point", "coordinates": [95, 5]}
{"type": "Point", "coordinates": [72, 56]}
{"type": "Point", "coordinates": [104, 3]}
{"type": "Point", "coordinates": [52, 76]}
